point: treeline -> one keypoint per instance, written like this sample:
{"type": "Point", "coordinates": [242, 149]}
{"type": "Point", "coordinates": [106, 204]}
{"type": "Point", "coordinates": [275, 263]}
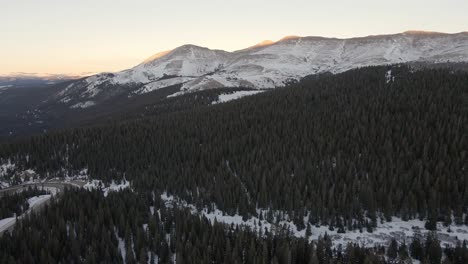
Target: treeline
{"type": "Point", "coordinates": [16, 204]}
{"type": "Point", "coordinates": [121, 228]}
{"type": "Point", "coordinates": [346, 148]}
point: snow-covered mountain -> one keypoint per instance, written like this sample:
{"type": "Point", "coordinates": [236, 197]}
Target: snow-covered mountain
{"type": "Point", "coordinates": [265, 65]}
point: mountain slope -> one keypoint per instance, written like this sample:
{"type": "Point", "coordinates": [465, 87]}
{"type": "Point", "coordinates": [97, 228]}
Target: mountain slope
{"type": "Point", "coordinates": [351, 145]}
{"type": "Point", "coordinates": [340, 155]}
{"type": "Point", "coordinates": [266, 65]}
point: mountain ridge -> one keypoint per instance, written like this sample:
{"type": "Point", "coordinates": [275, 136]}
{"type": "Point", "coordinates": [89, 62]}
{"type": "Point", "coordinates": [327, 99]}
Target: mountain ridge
{"type": "Point", "coordinates": [265, 66]}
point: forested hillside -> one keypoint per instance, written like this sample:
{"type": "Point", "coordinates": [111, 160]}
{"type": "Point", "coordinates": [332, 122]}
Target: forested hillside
{"type": "Point", "coordinates": [121, 229]}
{"type": "Point", "coordinates": [341, 147]}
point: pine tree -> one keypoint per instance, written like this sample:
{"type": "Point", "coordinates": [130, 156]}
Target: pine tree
{"type": "Point", "coordinates": [392, 251]}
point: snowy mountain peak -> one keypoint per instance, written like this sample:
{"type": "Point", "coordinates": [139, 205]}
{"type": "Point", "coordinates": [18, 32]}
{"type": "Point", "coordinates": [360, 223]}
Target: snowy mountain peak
{"type": "Point", "coordinates": [267, 64]}
{"type": "Point", "coordinates": [185, 54]}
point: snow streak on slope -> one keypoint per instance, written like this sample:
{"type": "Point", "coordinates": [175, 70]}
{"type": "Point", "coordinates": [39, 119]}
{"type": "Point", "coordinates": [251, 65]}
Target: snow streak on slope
{"type": "Point", "coordinates": [226, 97]}
{"type": "Point", "coordinates": [267, 65]}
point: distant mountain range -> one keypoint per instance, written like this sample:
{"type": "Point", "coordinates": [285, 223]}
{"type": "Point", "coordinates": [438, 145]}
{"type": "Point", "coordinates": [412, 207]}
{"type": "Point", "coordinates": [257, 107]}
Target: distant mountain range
{"type": "Point", "coordinates": [33, 79]}
{"type": "Point", "coordinates": [265, 65]}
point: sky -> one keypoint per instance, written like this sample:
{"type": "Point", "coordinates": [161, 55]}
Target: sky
{"type": "Point", "coordinates": [88, 36]}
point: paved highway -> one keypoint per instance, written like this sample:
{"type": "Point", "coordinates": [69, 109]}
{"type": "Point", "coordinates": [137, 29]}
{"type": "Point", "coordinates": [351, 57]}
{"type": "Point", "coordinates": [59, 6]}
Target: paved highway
{"type": "Point", "coordinates": [56, 188]}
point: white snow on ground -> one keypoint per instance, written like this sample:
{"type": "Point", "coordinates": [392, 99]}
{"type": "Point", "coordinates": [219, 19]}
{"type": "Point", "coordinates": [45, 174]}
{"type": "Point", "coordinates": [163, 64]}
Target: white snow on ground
{"type": "Point", "coordinates": [26, 176]}
{"type": "Point", "coordinates": [113, 187]}
{"type": "Point", "coordinates": [65, 100]}
{"type": "Point", "coordinates": [122, 250]}
{"type": "Point", "coordinates": [81, 176]}
{"type": "Point", "coordinates": [94, 184]}
{"type": "Point", "coordinates": [397, 228]}
{"type": "Point", "coordinates": [38, 200]}
{"type": "Point", "coordinates": [7, 223]}
{"type": "Point", "coordinates": [389, 77]}
{"type": "Point", "coordinates": [176, 94]}
{"type": "Point", "coordinates": [161, 84]}
{"type": "Point", "coordinates": [4, 168]}
{"type": "Point", "coordinates": [83, 104]}
{"type": "Point", "coordinates": [116, 187]}
{"type": "Point", "coordinates": [226, 97]}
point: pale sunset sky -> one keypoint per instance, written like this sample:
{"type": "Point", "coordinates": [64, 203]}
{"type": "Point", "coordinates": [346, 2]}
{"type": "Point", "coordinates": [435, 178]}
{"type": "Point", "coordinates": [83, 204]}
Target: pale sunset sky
{"type": "Point", "coordinates": [79, 36]}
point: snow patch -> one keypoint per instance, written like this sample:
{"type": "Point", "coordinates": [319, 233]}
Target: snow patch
{"type": "Point", "coordinates": [388, 77]}
{"type": "Point", "coordinates": [226, 97]}
{"type": "Point", "coordinates": [161, 84]}
{"type": "Point", "coordinates": [5, 168]}
{"type": "Point", "coordinates": [75, 179]}
{"type": "Point", "coordinates": [65, 100]}
{"type": "Point", "coordinates": [122, 250]}
{"type": "Point", "coordinates": [112, 187]}
{"type": "Point", "coordinates": [83, 104]}
{"type": "Point", "coordinates": [175, 94]}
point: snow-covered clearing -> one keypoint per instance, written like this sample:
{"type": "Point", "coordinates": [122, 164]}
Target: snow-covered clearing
{"type": "Point", "coordinates": [382, 235]}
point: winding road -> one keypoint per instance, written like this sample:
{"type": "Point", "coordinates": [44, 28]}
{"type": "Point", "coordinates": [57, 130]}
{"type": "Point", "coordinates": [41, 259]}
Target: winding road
{"type": "Point", "coordinates": [55, 186]}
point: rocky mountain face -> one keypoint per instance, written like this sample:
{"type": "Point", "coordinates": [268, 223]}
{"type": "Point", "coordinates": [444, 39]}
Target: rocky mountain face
{"type": "Point", "coordinates": [266, 65]}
